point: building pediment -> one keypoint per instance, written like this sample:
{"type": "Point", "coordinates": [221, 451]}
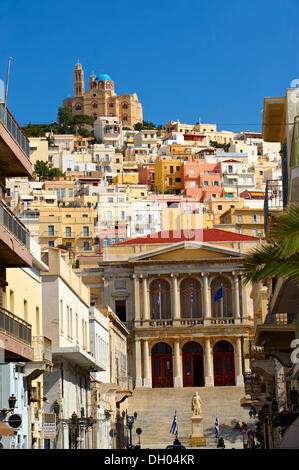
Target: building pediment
{"type": "Point", "coordinates": [188, 250]}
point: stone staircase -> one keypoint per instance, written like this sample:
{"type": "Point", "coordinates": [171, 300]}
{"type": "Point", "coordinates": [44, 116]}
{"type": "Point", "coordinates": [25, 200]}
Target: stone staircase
{"type": "Point", "coordinates": [155, 409]}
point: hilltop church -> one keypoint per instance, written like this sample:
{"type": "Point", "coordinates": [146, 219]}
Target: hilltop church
{"type": "Point", "coordinates": [101, 99]}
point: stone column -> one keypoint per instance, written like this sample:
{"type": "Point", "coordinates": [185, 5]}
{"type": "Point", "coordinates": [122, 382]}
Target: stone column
{"type": "Point", "coordinates": [206, 304]}
{"type": "Point", "coordinates": [146, 312]}
{"type": "Point", "coordinates": [209, 373]}
{"type": "Point", "coordinates": [236, 299]}
{"type": "Point", "coordinates": [147, 379]}
{"type": "Point", "coordinates": [175, 300]}
{"type": "Point", "coordinates": [238, 363]}
{"type": "Point", "coordinates": [136, 299]}
{"type": "Point", "coordinates": [138, 363]}
{"type": "Point", "coordinates": [177, 365]}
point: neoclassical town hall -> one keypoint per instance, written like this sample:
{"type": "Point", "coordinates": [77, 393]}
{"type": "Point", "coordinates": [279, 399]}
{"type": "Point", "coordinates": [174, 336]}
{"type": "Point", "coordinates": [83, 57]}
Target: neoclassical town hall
{"type": "Point", "coordinates": [101, 100]}
{"type": "Point", "coordinates": [182, 298]}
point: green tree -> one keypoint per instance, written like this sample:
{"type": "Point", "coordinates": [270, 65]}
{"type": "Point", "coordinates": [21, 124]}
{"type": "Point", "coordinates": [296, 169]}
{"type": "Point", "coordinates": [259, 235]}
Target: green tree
{"type": "Point", "coordinates": [41, 168]}
{"type": "Point", "coordinates": [280, 256]}
{"type": "Point", "coordinates": [65, 119]}
{"type": "Point", "coordinates": [84, 132]}
{"type": "Point", "coordinates": [54, 173]}
{"type": "Point", "coordinates": [83, 119]}
{"type": "Point", "coordinates": [138, 126]}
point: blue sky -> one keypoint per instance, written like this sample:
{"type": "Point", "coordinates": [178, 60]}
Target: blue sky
{"type": "Point", "coordinates": [185, 59]}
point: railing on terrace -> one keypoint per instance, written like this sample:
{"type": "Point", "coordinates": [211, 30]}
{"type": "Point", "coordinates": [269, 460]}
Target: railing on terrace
{"type": "Point", "coordinates": [42, 348]}
{"type": "Point", "coordinates": [14, 326]}
{"type": "Point", "coordinates": [294, 157]}
{"type": "Point", "coordinates": [14, 225]}
{"type": "Point", "coordinates": [14, 129]}
{"type": "Point", "coordinates": [273, 198]}
{"type": "Point", "coordinates": [280, 318]}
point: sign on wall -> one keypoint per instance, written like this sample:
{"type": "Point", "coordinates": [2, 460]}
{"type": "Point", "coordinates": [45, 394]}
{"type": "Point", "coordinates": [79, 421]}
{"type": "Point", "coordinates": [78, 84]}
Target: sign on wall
{"type": "Point", "coordinates": [49, 426]}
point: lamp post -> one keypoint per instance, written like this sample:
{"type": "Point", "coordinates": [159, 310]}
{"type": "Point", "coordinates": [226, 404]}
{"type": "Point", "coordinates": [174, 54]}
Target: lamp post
{"type": "Point", "coordinates": [11, 403]}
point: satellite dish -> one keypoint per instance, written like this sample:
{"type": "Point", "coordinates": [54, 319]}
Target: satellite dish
{"type": "Point", "coordinates": [15, 421]}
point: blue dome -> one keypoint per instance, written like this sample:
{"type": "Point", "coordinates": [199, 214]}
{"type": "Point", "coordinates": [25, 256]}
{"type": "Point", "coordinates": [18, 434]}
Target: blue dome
{"type": "Point", "coordinates": [104, 77]}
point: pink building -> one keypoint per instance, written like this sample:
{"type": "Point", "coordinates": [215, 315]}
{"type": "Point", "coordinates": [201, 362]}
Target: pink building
{"type": "Point", "coordinates": [202, 179]}
{"type": "Point", "coordinates": [147, 176]}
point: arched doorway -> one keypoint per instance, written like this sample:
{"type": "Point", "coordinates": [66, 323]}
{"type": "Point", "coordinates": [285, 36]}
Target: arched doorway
{"type": "Point", "coordinates": [224, 366]}
{"type": "Point", "coordinates": [162, 373]}
{"type": "Point", "coordinates": [193, 372]}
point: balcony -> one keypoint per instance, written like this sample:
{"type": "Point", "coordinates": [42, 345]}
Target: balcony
{"type": "Point", "coordinates": [125, 390]}
{"type": "Point", "coordinates": [276, 333]}
{"type": "Point", "coordinates": [42, 361]}
{"type": "Point", "coordinates": [14, 146]}
{"type": "Point", "coordinates": [254, 384]}
{"type": "Point", "coordinates": [16, 336]}
{"type": "Point", "coordinates": [273, 203]}
{"type": "Point", "coordinates": [14, 240]}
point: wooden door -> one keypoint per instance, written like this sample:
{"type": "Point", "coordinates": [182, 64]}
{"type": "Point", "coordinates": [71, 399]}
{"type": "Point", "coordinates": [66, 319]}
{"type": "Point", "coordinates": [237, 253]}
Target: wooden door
{"type": "Point", "coordinates": [162, 373]}
{"type": "Point", "coordinates": [224, 370]}
{"type": "Point", "coordinates": [193, 370]}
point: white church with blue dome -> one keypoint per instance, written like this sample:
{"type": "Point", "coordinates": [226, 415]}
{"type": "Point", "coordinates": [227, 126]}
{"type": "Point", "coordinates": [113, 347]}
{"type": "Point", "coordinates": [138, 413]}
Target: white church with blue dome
{"type": "Point", "coordinates": [101, 100]}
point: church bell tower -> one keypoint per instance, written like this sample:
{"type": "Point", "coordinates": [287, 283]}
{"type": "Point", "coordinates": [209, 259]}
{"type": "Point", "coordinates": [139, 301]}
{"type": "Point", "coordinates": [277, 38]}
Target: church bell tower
{"type": "Point", "coordinates": [78, 80]}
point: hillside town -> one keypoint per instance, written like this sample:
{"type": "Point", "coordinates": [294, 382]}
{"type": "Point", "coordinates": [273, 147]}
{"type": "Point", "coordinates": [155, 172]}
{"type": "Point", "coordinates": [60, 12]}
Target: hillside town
{"type": "Point", "coordinates": [123, 245]}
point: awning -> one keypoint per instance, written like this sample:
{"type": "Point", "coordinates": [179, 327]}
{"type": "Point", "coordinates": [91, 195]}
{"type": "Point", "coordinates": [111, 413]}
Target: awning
{"type": "Point", "coordinates": [5, 430]}
{"type": "Point", "coordinates": [255, 193]}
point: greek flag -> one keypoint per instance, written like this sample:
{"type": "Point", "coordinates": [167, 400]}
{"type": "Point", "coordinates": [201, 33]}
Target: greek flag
{"type": "Point", "coordinates": [216, 428]}
{"type": "Point", "coordinates": [218, 294]}
{"type": "Point", "coordinates": [159, 296]}
{"type": "Point", "coordinates": [174, 426]}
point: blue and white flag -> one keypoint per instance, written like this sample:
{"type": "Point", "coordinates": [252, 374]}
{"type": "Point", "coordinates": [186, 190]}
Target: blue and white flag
{"type": "Point", "coordinates": [216, 427]}
{"type": "Point", "coordinates": [159, 296]}
{"type": "Point", "coordinates": [174, 426]}
{"type": "Point", "coordinates": [218, 294]}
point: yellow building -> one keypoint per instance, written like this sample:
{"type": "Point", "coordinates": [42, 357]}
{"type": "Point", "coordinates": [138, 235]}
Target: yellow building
{"type": "Point", "coordinates": [38, 147]}
{"type": "Point", "coordinates": [126, 178]}
{"type": "Point", "coordinates": [259, 170]}
{"type": "Point", "coordinates": [219, 205]}
{"type": "Point", "coordinates": [70, 226]}
{"type": "Point", "coordinates": [65, 189]}
{"type": "Point", "coordinates": [244, 220]}
{"type": "Point", "coordinates": [168, 175]}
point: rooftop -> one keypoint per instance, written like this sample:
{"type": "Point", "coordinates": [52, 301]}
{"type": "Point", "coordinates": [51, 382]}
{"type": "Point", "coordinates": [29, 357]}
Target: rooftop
{"type": "Point", "coordinates": [175, 236]}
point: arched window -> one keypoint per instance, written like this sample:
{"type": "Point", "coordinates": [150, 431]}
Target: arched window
{"type": "Point", "coordinates": [190, 298]}
{"type": "Point", "coordinates": [160, 299]}
{"type": "Point", "coordinates": [221, 297]}
{"type": "Point", "coordinates": [125, 106]}
{"type": "Point", "coordinates": [108, 85]}
{"type": "Point", "coordinates": [94, 105]}
{"type": "Point", "coordinates": [161, 348]}
{"type": "Point", "coordinates": [192, 347]}
{"type": "Point", "coordinates": [111, 105]}
{"type": "Point", "coordinates": [101, 84]}
{"type": "Point", "coordinates": [223, 346]}
{"type": "Point", "coordinates": [78, 107]}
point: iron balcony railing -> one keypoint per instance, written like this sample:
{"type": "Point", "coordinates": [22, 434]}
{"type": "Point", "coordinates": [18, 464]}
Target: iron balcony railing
{"type": "Point", "coordinates": [14, 129]}
{"type": "Point", "coordinates": [14, 225]}
{"type": "Point", "coordinates": [42, 348]}
{"type": "Point", "coordinates": [273, 198]}
{"type": "Point", "coordinates": [14, 326]}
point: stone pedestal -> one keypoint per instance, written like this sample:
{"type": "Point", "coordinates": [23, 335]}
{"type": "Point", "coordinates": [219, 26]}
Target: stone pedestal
{"type": "Point", "coordinates": [197, 437]}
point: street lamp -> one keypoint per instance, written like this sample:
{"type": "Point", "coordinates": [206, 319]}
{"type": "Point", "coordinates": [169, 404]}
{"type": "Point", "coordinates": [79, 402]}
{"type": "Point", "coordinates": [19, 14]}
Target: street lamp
{"type": "Point", "coordinates": [11, 403]}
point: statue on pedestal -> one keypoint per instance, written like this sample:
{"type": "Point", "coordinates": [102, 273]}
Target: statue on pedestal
{"type": "Point", "coordinates": [196, 404]}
